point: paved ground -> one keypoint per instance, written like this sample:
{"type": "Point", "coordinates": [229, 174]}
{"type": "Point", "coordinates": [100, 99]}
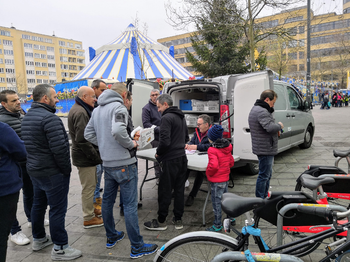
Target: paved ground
{"type": "Point", "coordinates": [332, 131]}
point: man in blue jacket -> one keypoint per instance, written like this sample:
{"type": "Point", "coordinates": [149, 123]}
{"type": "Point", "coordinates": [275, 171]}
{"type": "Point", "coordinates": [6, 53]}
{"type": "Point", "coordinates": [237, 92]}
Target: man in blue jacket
{"type": "Point", "coordinates": [201, 143]}
{"type": "Point", "coordinates": [49, 167]}
{"type": "Point", "coordinates": [12, 151]}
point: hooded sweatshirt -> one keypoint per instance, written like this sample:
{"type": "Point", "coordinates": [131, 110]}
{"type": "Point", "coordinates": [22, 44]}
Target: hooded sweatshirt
{"type": "Point", "coordinates": [173, 135]}
{"type": "Point", "coordinates": [107, 129]}
{"type": "Point", "coordinates": [220, 161]}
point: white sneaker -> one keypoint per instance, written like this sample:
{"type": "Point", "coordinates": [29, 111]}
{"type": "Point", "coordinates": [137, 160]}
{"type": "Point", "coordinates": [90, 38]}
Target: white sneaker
{"type": "Point", "coordinates": [20, 239]}
{"type": "Point", "coordinates": [46, 223]}
{"type": "Point", "coordinates": [187, 183]}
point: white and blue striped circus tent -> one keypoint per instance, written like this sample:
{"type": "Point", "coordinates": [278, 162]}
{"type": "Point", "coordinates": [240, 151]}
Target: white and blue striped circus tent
{"type": "Point", "coordinates": [133, 55]}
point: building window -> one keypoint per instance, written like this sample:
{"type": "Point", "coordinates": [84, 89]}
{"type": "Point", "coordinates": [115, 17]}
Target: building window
{"type": "Point", "coordinates": [29, 63]}
{"type": "Point", "coordinates": [8, 52]}
{"type": "Point", "coordinates": [64, 67]}
{"type": "Point", "coordinates": [81, 61]}
{"type": "Point", "coordinates": [31, 81]}
{"type": "Point", "coordinates": [63, 51]}
{"type": "Point", "coordinates": [71, 52]}
{"type": "Point", "coordinates": [1, 70]}
{"type": "Point", "coordinates": [40, 39]}
{"type": "Point", "coordinates": [301, 55]}
{"type": "Point", "coordinates": [292, 56]}
{"type": "Point", "coordinates": [79, 53]}
{"type": "Point", "coordinates": [47, 40]}
{"type": "Point", "coordinates": [78, 46]}
{"type": "Point", "coordinates": [10, 71]}
{"type": "Point", "coordinates": [301, 67]}
{"type": "Point", "coordinates": [62, 43]}
{"type": "Point", "coordinates": [36, 47]}
{"type": "Point", "coordinates": [37, 55]}
{"type": "Point", "coordinates": [52, 57]}
{"type": "Point", "coordinates": [27, 45]}
{"type": "Point", "coordinates": [38, 73]}
{"type": "Point", "coordinates": [50, 49]}
{"type": "Point", "coordinates": [52, 81]}
{"type": "Point", "coordinates": [2, 79]}
{"type": "Point", "coordinates": [1, 61]}
{"type": "Point", "coordinates": [43, 64]}
{"type": "Point", "coordinates": [292, 43]}
{"type": "Point", "coordinates": [302, 42]}
{"type": "Point", "coordinates": [0, 51]}
{"type": "Point", "coordinates": [7, 42]}
{"type": "Point", "coordinates": [44, 73]}
{"type": "Point", "coordinates": [81, 67]}
{"type": "Point", "coordinates": [38, 64]}
{"type": "Point", "coordinates": [39, 81]}
{"type": "Point", "coordinates": [10, 80]}
{"type": "Point", "coordinates": [294, 19]}
{"type": "Point", "coordinates": [64, 59]}
{"type": "Point", "coordinates": [72, 67]}
{"type": "Point", "coordinates": [45, 81]}
{"type": "Point", "coordinates": [34, 38]}
{"type": "Point", "coordinates": [42, 47]}
{"type": "Point", "coordinates": [30, 72]}
{"type": "Point", "coordinates": [52, 73]}
{"type": "Point", "coordinates": [51, 65]}
{"type": "Point", "coordinates": [5, 33]}
{"type": "Point", "coordinates": [72, 60]}
{"type": "Point", "coordinates": [42, 56]}
{"type": "Point", "coordinates": [301, 29]}
{"type": "Point", "coordinates": [63, 74]}
{"type": "Point", "coordinates": [9, 61]}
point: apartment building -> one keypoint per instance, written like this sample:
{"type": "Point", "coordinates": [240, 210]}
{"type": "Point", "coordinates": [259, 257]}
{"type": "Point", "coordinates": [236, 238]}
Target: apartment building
{"type": "Point", "coordinates": [330, 44]}
{"type": "Point", "coordinates": [28, 59]}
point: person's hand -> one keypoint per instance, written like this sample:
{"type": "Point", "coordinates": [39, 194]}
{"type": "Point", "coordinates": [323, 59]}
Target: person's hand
{"type": "Point", "coordinates": [282, 126]}
{"type": "Point", "coordinates": [135, 144]}
{"type": "Point", "coordinates": [191, 147]}
{"type": "Point", "coordinates": [186, 146]}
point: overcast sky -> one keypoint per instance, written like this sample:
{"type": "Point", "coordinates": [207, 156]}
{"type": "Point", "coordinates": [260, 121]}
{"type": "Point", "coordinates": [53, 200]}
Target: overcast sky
{"type": "Point", "coordinates": [96, 23]}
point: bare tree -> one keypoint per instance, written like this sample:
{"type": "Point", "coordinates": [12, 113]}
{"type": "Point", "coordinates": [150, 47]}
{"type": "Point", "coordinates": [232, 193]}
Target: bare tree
{"type": "Point", "coordinates": [277, 58]}
{"type": "Point", "coordinates": [342, 62]}
{"type": "Point", "coordinates": [192, 11]}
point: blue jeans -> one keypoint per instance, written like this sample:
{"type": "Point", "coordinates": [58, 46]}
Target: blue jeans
{"type": "Point", "coordinates": [52, 191]}
{"type": "Point", "coordinates": [265, 173]}
{"type": "Point", "coordinates": [125, 177]}
{"type": "Point", "coordinates": [99, 171]}
{"type": "Point", "coordinates": [217, 190]}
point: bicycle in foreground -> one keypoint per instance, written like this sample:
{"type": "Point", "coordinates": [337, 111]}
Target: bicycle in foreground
{"type": "Point", "coordinates": [276, 228]}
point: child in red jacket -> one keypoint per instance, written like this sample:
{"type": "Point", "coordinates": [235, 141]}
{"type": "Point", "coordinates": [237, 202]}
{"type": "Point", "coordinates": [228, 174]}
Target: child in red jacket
{"type": "Point", "coordinates": [218, 171]}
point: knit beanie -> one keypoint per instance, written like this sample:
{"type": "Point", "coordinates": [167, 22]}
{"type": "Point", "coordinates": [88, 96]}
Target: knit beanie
{"type": "Point", "coordinates": [215, 132]}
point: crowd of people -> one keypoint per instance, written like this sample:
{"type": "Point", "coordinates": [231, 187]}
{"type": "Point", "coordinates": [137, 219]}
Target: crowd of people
{"type": "Point", "coordinates": [338, 99]}
{"type": "Point", "coordinates": [35, 156]}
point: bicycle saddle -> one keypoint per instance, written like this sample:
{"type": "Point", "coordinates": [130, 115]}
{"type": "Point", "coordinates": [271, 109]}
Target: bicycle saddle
{"type": "Point", "coordinates": [341, 153]}
{"type": "Point", "coordinates": [234, 205]}
{"type": "Point", "coordinates": [312, 182]}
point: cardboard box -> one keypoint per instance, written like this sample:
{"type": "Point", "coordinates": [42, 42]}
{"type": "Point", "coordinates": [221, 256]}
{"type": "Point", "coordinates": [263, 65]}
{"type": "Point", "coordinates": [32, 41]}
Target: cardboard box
{"type": "Point", "coordinates": [146, 137]}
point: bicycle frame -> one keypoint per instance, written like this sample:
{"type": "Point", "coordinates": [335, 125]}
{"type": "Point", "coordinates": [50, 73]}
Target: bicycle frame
{"type": "Point", "coordinates": [337, 160]}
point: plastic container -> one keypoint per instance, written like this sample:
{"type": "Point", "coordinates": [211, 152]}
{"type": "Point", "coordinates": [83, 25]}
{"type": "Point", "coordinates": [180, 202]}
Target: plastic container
{"type": "Point", "coordinates": [186, 104]}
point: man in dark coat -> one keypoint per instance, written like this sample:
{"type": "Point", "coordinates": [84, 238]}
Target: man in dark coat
{"type": "Point", "coordinates": [10, 113]}
{"type": "Point", "coordinates": [173, 161]}
{"type": "Point", "coordinates": [49, 167]}
{"type": "Point", "coordinates": [85, 155]}
{"type": "Point", "coordinates": [151, 116]}
{"type": "Point", "coordinates": [264, 134]}
{"type": "Point", "coordinates": [201, 143]}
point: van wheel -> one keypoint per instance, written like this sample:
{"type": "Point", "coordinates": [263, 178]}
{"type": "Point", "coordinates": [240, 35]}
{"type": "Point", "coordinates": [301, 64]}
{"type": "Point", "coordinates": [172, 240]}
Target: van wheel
{"type": "Point", "coordinates": [252, 169]}
{"type": "Point", "coordinates": [307, 139]}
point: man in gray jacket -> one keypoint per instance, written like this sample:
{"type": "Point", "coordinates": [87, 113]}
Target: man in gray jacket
{"type": "Point", "coordinates": [264, 133]}
{"type": "Point", "coordinates": [107, 129]}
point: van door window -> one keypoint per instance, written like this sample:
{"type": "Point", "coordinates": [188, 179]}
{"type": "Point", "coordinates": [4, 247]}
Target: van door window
{"type": "Point", "coordinates": [294, 100]}
{"type": "Point", "coordinates": [281, 103]}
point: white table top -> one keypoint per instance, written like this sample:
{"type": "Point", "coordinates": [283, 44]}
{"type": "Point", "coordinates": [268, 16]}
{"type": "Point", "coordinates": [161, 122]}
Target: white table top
{"type": "Point", "coordinates": [195, 161]}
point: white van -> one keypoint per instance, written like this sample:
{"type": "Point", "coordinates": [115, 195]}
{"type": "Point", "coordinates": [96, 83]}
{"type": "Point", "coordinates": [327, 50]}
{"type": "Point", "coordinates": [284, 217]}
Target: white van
{"type": "Point", "coordinates": [228, 101]}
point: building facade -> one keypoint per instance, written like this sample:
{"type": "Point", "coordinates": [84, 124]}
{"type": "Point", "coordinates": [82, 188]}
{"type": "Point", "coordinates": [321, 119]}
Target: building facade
{"type": "Point", "coordinates": [330, 44]}
{"type": "Point", "coordinates": [28, 59]}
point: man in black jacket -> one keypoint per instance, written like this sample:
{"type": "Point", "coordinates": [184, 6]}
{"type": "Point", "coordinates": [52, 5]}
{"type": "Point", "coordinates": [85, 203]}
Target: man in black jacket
{"type": "Point", "coordinates": [10, 113]}
{"type": "Point", "coordinates": [49, 167]}
{"type": "Point", "coordinates": [85, 155]}
{"type": "Point", "coordinates": [173, 161]}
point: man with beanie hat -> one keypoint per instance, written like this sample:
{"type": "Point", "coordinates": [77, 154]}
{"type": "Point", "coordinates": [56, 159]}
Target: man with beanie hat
{"type": "Point", "coordinates": [264, 134]}
{"type": "Point", "coordinates": [218, 171]}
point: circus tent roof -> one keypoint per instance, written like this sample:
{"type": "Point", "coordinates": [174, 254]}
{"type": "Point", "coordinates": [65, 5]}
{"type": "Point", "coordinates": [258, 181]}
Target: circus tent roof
{"type": "Point", "coordinates": [125, 57]}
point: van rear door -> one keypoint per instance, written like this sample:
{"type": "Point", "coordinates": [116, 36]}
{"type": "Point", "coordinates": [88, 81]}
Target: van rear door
{"type": "Point", "coordinates": [246, 90]}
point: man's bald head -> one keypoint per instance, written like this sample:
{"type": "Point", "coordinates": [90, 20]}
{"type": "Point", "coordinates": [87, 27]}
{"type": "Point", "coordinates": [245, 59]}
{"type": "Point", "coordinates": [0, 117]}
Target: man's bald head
{"type": "Point", "coordinates": [87, 94]}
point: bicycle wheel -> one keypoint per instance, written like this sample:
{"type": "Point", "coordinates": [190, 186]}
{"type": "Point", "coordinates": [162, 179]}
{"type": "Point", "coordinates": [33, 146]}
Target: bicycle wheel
{"type": "Point", "coordinates": [331, 201]}
{"type": "Point", "coordinates": [195, 246]}
{"type": "Point", "coordinates": [269, 234]}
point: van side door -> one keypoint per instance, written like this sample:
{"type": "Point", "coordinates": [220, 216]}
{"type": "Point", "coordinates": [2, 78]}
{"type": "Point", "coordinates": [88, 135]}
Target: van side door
{"type": "Point", "coordinates": [282, 114]}
{"type": "Point", "coordinates": [297, 124]}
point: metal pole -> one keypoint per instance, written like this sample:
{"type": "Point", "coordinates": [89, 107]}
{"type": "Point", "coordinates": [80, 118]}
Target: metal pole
{"type": "Point", "coordinates": [308, 75]}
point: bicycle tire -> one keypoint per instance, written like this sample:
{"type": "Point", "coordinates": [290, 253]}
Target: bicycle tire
{"type": "Point", "coordinates": [269, 234]}
{"type": "Point", "coordinates": [195, 246]}
{"type": "Point", "coordinates": [332, 201]}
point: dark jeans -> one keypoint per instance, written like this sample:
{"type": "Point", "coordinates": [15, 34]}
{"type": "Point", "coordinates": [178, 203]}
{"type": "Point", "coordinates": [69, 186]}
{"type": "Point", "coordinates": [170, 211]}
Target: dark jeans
{"type": "Point", "coordinates": [52, 191]}
{"type": "Point", "coordinates": [172, 178]}
{"type": "Point", "coordinates": [28, 194]}
{"type": "Point", "coordinates": [265, 173]}
{"type": "Point", "coordinates": [157, 170]}
{"type": "Point", "coordinates": [8, 208]}
{"type": "Point", "coordinates": [197, 182]}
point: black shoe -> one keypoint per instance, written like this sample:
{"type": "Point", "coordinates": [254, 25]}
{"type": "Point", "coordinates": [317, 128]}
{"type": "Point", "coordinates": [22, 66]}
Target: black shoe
{"type": "Point", "coordinates": [122, 212]}
{"type": "Point", "coordinates": [101, 189]}
{"type": "Point", "coordinates": [189, 201]}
